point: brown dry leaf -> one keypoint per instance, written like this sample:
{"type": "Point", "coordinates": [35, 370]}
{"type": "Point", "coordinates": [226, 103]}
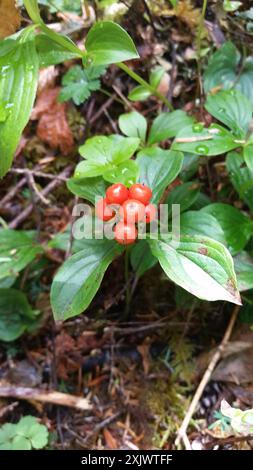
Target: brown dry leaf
{"type": "Point", "coordinates": [9, 18]}
{"type": "Point", "coordinates": [53, 127]}
{"type": "Point", "coordinates": [111, 443]}
{"type": "Point", "coordinates": [47, 78]}
{"type": "Point", "coordinates": [236, 368]}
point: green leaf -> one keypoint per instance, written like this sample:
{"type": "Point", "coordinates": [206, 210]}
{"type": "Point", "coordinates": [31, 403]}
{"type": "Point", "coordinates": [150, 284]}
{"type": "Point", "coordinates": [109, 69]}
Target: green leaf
{"type": "Point", "coordinates": [185, 194]}
{"type": "Point", "coordinates": [51, 53]}
{"type": "Point", "coordinates": [190, 167]}
{"type": "Point", "coordinates": [61, 242]}
{"type": "Point", "coordinates": [156, 76]}
{"type": "Point", "coordinates": [78, 83]}
{"type": "Point", "coordinates": [244, 271]}
{"type": "Point", "coordinates": [232, 108]}
{"type": "Point", "coordinates": [241, 177]}
{"type": "Point", "coordinates": [108, 43]}
{"type": "Point", "coordinates": [87, 188]}
{"type": "Point", "coordinates": [229, 5]}
{"type": "Point", "coordinates": [158, 168]}
{"type": "Point", "coordinates": [200, 265]}
{"type": "Point", "coordinates": [64, 41]}
{"type": "Point", "coordinates": [18, 84]}
{"type": "Point", "coordinates": [212, 141]}
{"type": "Point", "coordinates": [127, 173]}
{"type": "Point", "coordinates": [79, 278]}
{"type": "Point", "coordinates": [16, 315]}
{"type": "Point", "coordinates": [24, 435]}
{"type": "Point", "coordinates": [224, 71]}
{"type": "Point", "coordinates": [248, 156]}
{"type": "Point", "coordinates": [7, 45]}
{"type": "Point", "coordinates": [167, 125]}
{"type": "Point", "coordinates": [133, 125]}
{"type": "Point", "coordinates": [141, 258]}
{"type": "Point", "coordinates": [237, 227]}
{"type": "Point", "coordinates": [36, 433]}
{"type": "Point", "coordinates": [18, 249]}
{"type": "Point", "coordinates": [21, 443]}
{"type": "Point", "coordinates": [139, 93]}
{"type": "Point", "coordinates": [201, 223]}
{"type": "Point", "coordinates": [104, 154]}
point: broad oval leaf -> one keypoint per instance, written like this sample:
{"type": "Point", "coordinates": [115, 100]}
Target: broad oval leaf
{"type": "Point", "coordinates": [237, 227]}
{"type": "Point", "coordinates": [139, 93]}
{"type": "Point", "coordinates": [185, 194]}
{"type": "Point", "coordinates": [88, 188]}
{"type": "Point", "coordinates": [51, 53]}
{"type": "Point", "coordinates": [167, 125]}
{"type": "Point", "coordinates": [108, 43]}
{"type": "Point", "coordinates": [18, 84]}
{"type": "Point", "coordinates": [201, 223]}
{"type": "Point", "coordinates": [17, 250]}
{"type": "Point", "coordinates": [104, 154]}
{"type": "Point", "coordinates": [223, 71]}
{"type": "Point", "coordinates": [133, 124]}
{"type": "Point", "coordinates": [205, 142]}
{"type": "Point", "coordinates": [16, 314]}
{"type": "Point", "coordinates": [127, 173]}
{"type": "Point", "coordinates": [241, 177]}
{"type": "Point", "coordinates": [200, 265]}
{"type": "Point", "coordinates": [79, 278]}
{"type": "Point", "coordinates": [158, 168]}
{"type": "Point", "coordinates": [244, 270]}
{"type": "Point", "coordinates": [232, 108]}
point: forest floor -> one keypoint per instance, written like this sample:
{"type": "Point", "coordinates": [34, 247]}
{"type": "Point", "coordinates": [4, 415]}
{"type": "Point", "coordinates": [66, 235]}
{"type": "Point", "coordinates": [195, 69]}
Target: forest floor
{"type": "Point", "coordinates": [140, 370]}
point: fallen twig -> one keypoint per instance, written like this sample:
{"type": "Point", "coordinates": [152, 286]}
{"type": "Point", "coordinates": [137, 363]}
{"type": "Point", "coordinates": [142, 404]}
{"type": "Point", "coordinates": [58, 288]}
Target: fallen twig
{"type": "Point", "coordinates": [44, 396]}
{"type": "Point", "coordinates": [205, 379]}
{"type": "Point", "coordinates": [50, 187]}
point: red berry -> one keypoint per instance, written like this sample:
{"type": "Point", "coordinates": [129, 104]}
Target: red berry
{"type": "Point", "coordinates": [140, 192]}
{"type": "Point", "coordinates": [103, 211]}
{"type": "Point", "coordinates": [150, 211]}
{"type": "Point", "coordinates": [132, 211]}
{"type": "Point", "coordinates": [117, 194]}
{"type": "Point", "coordinates": [125, 234]}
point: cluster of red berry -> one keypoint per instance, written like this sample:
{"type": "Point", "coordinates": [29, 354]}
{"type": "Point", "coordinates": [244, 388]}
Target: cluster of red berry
{"type": "Point", "coordinates": [132, 206]}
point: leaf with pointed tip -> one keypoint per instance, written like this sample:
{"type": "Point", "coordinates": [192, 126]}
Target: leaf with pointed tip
{"type": "Point", "coordinates": [18, 84]}
{"type": "Point", "coordinates": [158, 168]}
{"type": "Point", "coordinates": [79, 278]}
{"type": "Point", "coordinates": [167, 125]}
{"type": "Point", "coordinates": [108, 43]}
{"type": "Point", "coordinates": [232, 108]}
{"type": "Point", "coordinates": [200, 265]}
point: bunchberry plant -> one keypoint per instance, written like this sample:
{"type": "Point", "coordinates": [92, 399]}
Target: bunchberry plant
{"type": "Point", "coordinates": [127, 177]}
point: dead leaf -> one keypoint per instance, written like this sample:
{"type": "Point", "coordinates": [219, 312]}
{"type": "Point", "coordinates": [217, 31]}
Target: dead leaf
{"type": "Point", "coordinates": [47, 78]}
{"type": "Point", "coordinates": [236, 368]}
{"type": "Point", "coordinates": [9, 18]}
{"type": "Point", "coordinates": [53, 127]}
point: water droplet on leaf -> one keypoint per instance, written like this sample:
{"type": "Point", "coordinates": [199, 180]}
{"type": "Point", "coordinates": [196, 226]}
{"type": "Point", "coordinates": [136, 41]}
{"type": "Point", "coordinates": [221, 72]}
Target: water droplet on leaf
{"type": "Point", "coordinates": [198, 127]}
{"type": "Point", "coordinates": [202, 149]}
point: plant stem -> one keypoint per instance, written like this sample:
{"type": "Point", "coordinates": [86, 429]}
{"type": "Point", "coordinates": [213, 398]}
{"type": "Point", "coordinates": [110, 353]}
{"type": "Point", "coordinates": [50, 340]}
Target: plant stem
{"type": "Point", "coordinates": [200, 30]}
{"type": "Point", "coordinates": [127, 282]}
{"type": "Point", "coordinates": [145, 84]}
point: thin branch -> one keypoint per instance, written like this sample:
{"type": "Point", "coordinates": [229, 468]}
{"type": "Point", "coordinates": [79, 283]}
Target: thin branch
{"type": "Point", "coordinates": [205, 379]}
{"type": "Point", "coordinates": [48, 189]}
{"type": "Point", "coordinates": [44, 396]}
